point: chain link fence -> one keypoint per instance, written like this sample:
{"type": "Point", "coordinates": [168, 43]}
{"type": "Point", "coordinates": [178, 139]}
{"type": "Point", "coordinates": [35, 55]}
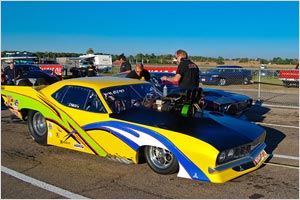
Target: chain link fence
{"type": "Point", "coordinates": [261, 84]}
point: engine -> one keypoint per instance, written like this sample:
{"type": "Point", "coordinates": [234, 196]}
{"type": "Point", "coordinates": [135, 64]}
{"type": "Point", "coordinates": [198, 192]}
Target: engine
{"type": "Point", "coordinates": [188, 104]}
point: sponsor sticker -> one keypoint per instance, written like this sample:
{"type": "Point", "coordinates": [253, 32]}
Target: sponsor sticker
{"type": "Point", "coordinates": [260, 157]}
{"type": "Point", "coordinates": [50, 126]}
{"type": "Point", "coordinates": [79, 146]}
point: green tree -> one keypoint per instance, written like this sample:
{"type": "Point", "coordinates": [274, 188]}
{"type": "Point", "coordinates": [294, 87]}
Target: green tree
{"type": "Point", "coordinates": [220, 60]}
{"type": "Point", "coordinates": [130, 58]}
{"type": "Point", "coordinates": [139, 57]}
{"type": "Point", "coordinates": [90, 51]}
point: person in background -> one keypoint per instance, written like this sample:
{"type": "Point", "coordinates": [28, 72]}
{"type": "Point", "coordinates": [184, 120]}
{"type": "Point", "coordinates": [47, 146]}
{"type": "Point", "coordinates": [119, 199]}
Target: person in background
{"type": "Point", "coordinates": [125, 64]}
{"type": "Point", "coordinates": [12, 74]}
{"type": "Point", "coordinates": [91, 70]}
{"type": "Point", "coordinates": [139, 73]}
{"type": "Point", "coordinates": [187, 73]}
{"type": "Point", "coordinates": [75, 72]}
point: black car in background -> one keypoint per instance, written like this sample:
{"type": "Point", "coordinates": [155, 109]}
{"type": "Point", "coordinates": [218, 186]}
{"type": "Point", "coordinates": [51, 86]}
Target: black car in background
{"type": "Point", "coordinates": [224, 75]}
{"type": "Point", "coordinates": [32, 75]}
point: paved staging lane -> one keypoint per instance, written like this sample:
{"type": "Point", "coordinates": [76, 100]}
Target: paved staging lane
{"type": "Point", "coordinates": [94, 177]}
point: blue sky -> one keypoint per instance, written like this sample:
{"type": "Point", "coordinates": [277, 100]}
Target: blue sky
{"type": "Point", "coordinates": [230, 29]}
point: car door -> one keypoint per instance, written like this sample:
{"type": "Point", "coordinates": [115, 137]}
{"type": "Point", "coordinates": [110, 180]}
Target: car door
{"type": "Point", "coordinates": [90, 123]}
{"type": "Point", "coordinates": [237, 75]}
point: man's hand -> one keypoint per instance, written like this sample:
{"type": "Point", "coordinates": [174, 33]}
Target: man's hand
{"type": "Point", "coordinates": [164, 78]}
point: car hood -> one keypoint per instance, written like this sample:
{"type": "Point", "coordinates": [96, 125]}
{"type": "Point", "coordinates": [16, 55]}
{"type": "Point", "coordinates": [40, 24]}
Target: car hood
{"type": "Point", "coordinates": [223, 97]}
{"type": "Point", "coordinates": [216, 95]}
{"type": "Point", "coordinates": [221, 131]}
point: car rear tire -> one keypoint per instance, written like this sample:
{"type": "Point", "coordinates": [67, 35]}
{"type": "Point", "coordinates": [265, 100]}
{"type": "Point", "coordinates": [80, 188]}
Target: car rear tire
{"type": "Point", "coordinates": [38, 127]}
{"type": "Point", "coordinates": [222, 82]}
{"type": "Point", "coordinates": [245, 80]}
{"type": "Point", "coordinates": [161, 160]}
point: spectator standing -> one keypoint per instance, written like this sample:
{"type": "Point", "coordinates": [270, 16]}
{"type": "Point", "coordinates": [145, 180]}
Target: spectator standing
{"type": "Point", "coordinates": [12, 74]}
{"type": "Point", "coordinates": [187, 73]}
{"type": "Point", "coordinates": [139, 73]}
{"type": "Point", "coordinates": [75, 72]}
{"type": "Point", "coordinates": [91, 70]}
{"type": "Point", "coordinates": [125, 64]}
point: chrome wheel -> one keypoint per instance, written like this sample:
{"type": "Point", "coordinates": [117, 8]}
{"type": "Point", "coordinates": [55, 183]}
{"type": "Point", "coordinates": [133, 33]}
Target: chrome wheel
{"type": "Point", "coordinates": [161, 157]}
{"type": "Point", "coordinates": [222, 81]}
{"type": "Point", "coordinates": [161, 160]}
{"type": "Point", "coordinates": [37, 127]}
{"type": "Point", "coordinates": [39, 124]}
{"type": "Point", "coordinates": [246, 81]}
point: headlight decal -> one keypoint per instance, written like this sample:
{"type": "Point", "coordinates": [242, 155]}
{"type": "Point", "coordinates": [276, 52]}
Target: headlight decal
{"type": "Point", "coordinates": [121, 128]}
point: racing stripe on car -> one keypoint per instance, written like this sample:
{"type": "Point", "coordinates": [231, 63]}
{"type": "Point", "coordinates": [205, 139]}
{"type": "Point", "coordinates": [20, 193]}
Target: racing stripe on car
{"type": "Point", "coordinates": [120, 128]}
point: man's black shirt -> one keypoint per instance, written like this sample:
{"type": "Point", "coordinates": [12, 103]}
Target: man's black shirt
{"type": "Point", "coordinates": [189, 72]}
{"type": "Point", "coordinates": [144, 74]}
{"type": "Point", "coordinates": [126, 66]}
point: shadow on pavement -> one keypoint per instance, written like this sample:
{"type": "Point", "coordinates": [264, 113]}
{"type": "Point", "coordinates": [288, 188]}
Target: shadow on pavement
{"type": "Point", "coordinates": [255, 114]}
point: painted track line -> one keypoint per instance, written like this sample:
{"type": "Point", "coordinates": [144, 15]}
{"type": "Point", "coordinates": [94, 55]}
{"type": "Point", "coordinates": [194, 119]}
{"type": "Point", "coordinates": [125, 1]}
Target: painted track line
{"type": "Point", "coordinates": [284, 126]}
{"type": "Point", "coordinates": [284, 156]}
{"type": "Point", "coordinates": [282, 165]}
{"type": "Point", "coordinates": [41, 184]}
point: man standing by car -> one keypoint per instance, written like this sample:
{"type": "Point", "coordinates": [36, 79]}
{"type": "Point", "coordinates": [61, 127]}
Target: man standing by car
{"type": "Point", "coordinates": [12, 74]}
{"type": "Point", "coordinates": [125, 64]}
{"type": "Point", "coordinates": [91, 70]}
{"type": "Point", "coordinates": [187, 73]}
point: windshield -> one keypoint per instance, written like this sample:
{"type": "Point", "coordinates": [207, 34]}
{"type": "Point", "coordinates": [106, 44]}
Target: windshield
{"type": "Point", "coordinates": [216, 70]}
{"type": "Point", "coordinates": [124, 97]}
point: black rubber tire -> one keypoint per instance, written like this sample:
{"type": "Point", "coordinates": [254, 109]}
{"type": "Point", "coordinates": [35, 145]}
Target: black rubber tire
{"type": "Point", "coordinates": [161, 160]}
{"type": "Point", "coordinates": [37, 127]}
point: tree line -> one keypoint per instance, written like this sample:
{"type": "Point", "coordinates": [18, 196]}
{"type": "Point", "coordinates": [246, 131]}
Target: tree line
{"type": "Point", "coordinates": [160, 59]}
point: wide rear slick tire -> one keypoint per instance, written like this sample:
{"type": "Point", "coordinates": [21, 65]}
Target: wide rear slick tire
{"type": "Point", "coordinates": [37, 127]}
{"type": "Point", "coordinates": [161, 160]}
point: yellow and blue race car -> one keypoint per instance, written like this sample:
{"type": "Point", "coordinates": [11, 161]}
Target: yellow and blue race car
{"type": "Point", "coordinates": [129, 120]}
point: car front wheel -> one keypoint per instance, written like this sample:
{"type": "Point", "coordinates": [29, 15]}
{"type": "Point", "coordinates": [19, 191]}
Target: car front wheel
{"type": "Point", "coordinates": [38, 127]}
{"type": "Point", "coordinates": [161, 160]}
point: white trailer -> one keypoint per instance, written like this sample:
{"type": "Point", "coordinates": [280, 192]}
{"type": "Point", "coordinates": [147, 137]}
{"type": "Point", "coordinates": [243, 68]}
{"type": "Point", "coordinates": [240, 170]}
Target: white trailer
{"type": "Point", "coordinates": [102, 62]}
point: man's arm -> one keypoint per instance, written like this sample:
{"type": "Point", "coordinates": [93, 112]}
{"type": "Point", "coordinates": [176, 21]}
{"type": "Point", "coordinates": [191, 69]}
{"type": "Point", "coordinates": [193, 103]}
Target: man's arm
{"type": "Point", "coordinates": [175, 78]}
{"type": "Point", "coordinates": [18, 76]}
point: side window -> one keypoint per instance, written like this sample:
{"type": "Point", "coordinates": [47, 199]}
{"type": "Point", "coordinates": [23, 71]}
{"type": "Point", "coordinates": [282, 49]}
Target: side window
{"type": "Point", "coordinates": [33, 67]}
{"type": "Point", "coordinates": [117, 98]}
{"type": "Point", "coordinates": [79, 98]}
{"type": "Point", "coordinates": [23, 70]}
{"type": "Point", "coordinates": [93, 103]}
{"type": "Point", "coordinates": [59, 94]}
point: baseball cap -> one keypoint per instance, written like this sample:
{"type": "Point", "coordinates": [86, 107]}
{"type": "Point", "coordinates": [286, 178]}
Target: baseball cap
{"type": "Point", "coordinates": [122, 56]}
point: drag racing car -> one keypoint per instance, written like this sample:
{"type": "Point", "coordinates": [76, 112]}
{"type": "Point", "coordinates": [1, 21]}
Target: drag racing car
{"type": "Point", "coordinates": [129, 120]}
{"type": "Point", "coordinates": [215, 99]}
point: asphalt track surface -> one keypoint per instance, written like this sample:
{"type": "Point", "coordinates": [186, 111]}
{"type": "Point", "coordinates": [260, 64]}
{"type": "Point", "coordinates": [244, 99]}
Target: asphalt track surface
{"type": "Point", "coordinates": [33, 171]}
